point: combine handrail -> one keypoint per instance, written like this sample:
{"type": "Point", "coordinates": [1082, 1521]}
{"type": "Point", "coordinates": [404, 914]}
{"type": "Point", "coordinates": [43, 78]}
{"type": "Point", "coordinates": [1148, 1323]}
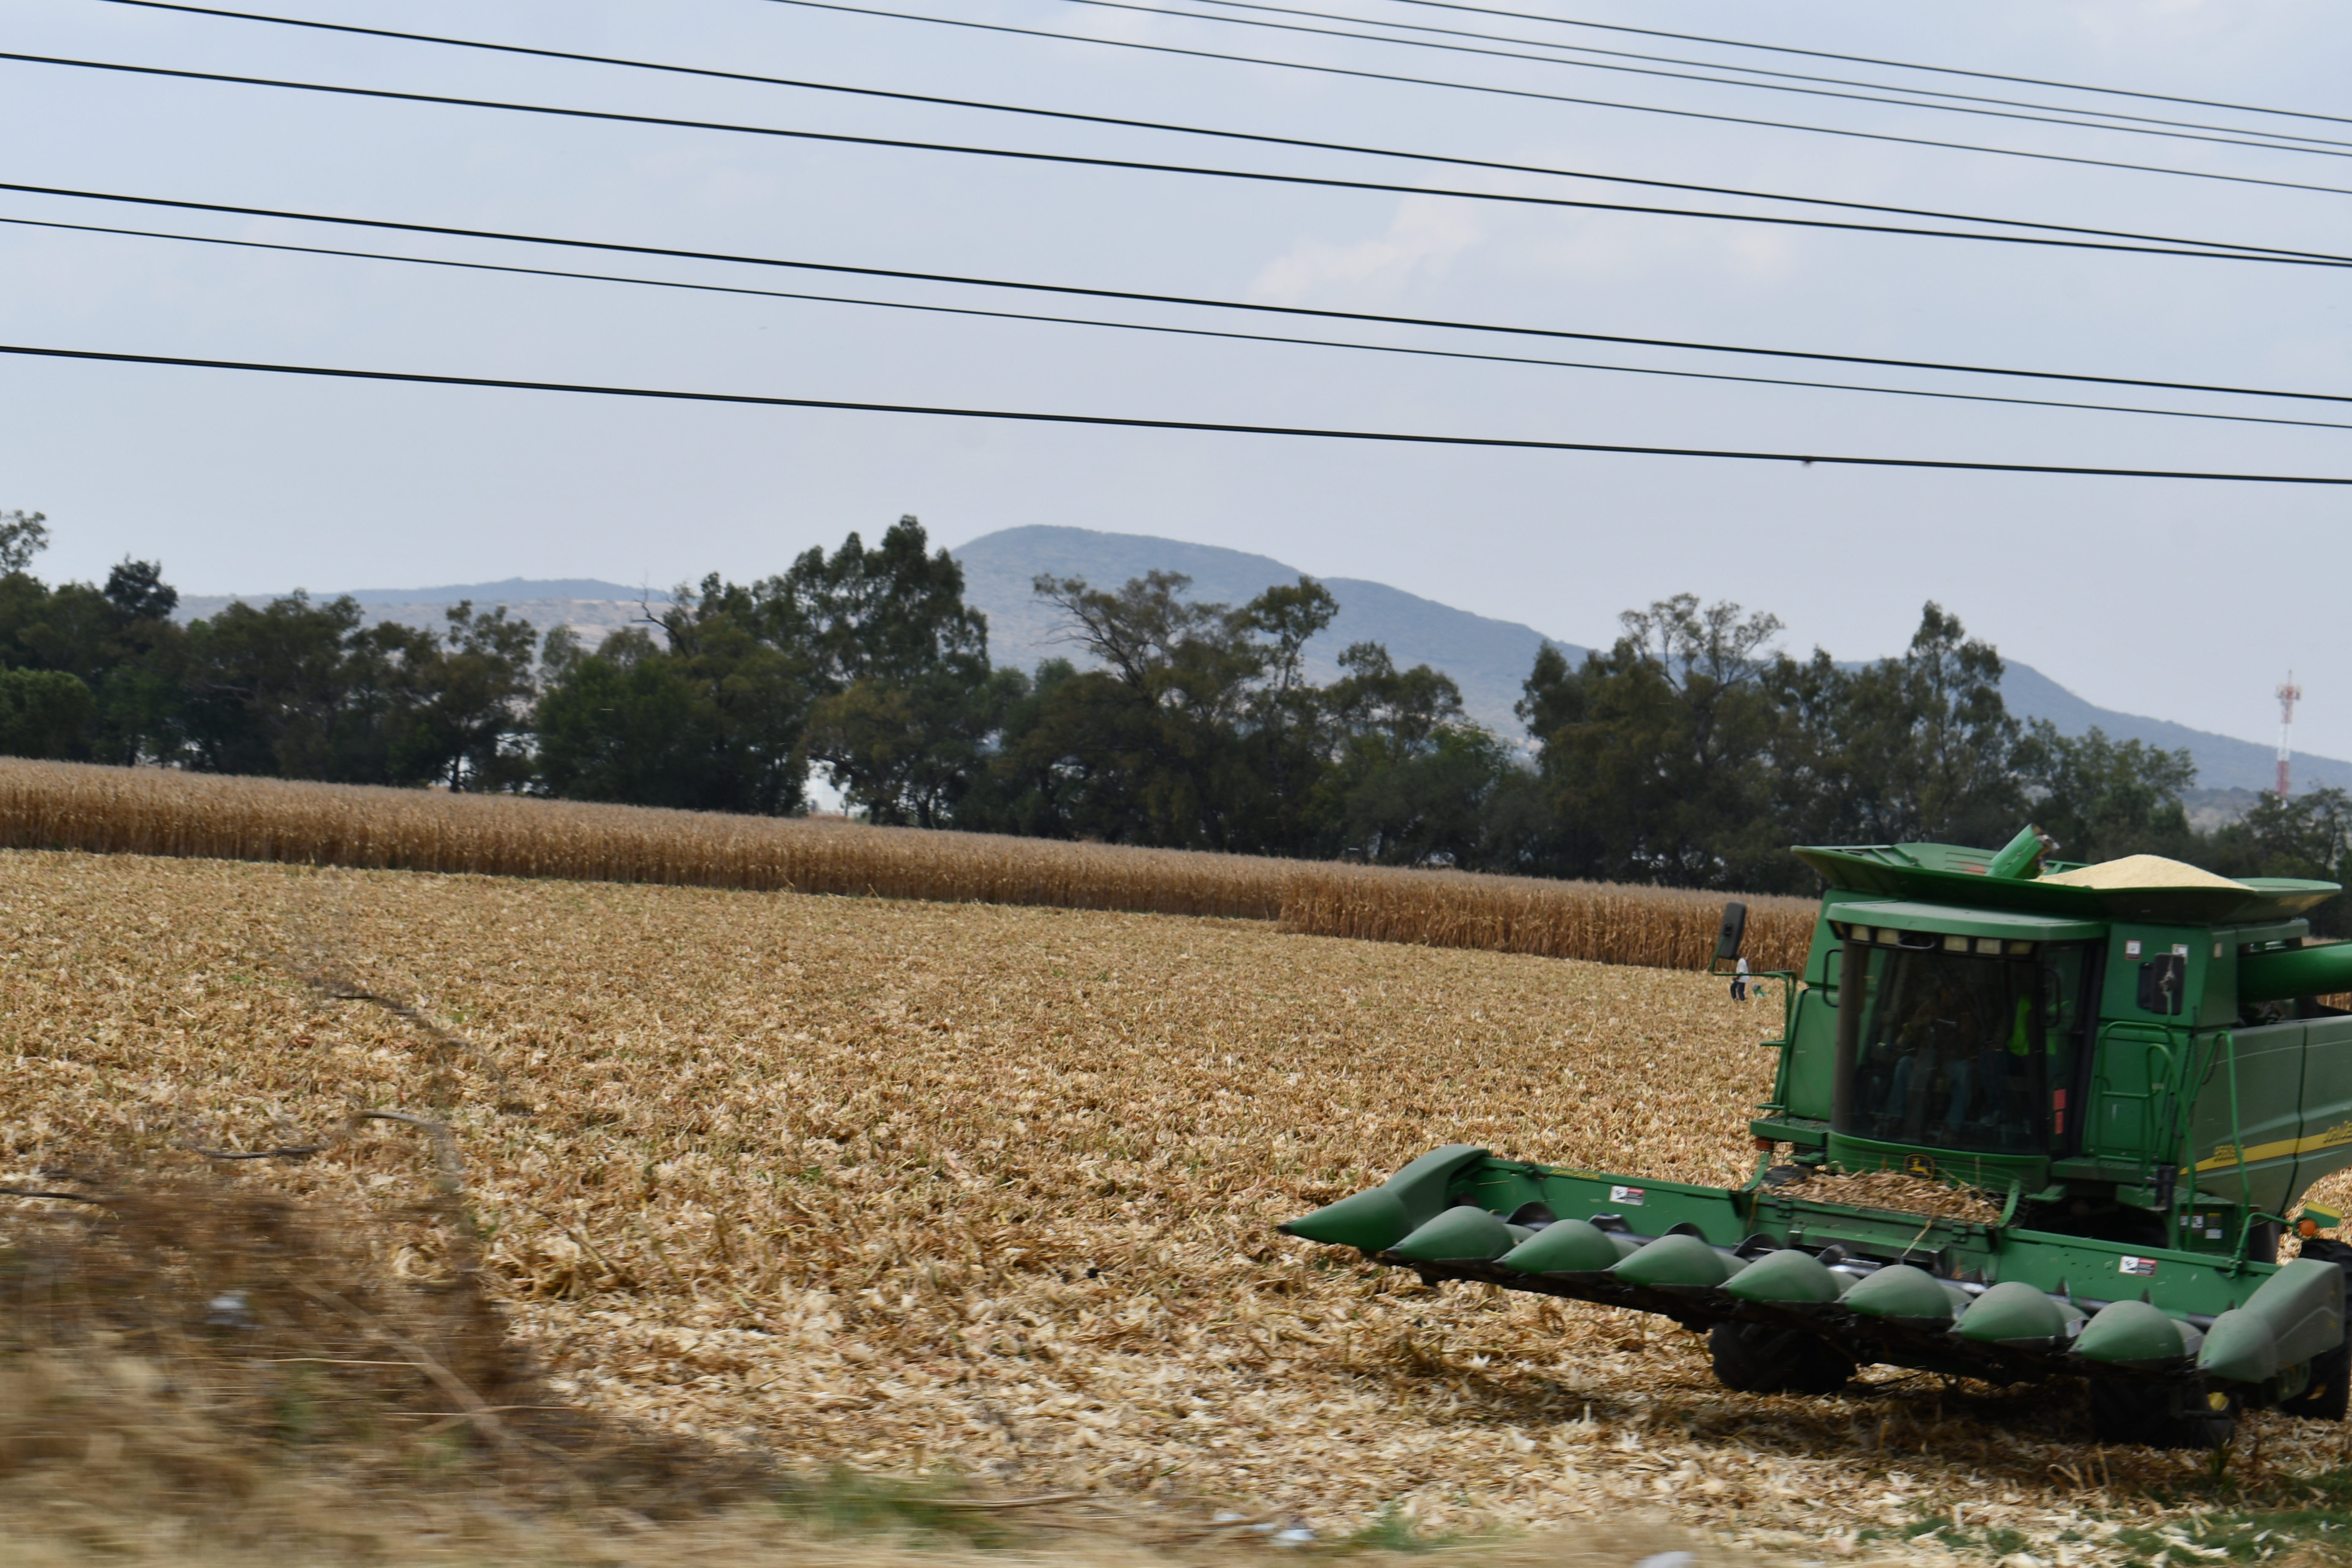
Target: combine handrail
{"type": "Point", "coordinates": [2237, 1149]}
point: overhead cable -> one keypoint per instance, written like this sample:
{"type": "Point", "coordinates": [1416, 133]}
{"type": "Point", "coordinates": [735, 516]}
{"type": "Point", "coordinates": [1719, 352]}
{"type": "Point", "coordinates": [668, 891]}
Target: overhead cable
{"type": "Point", "coordinates": [1161, 329]}
{"type": "Point", "coordinates": [2264, 138]}
{"type": "Point", "coordinates": [2239, 139]}
{"type": "Point", "coordinates": [1131, 165]}
{"type": "Point", "coordinates": [1121, 422]}
{"type": "Point", "coordinates": [1873, 61]}
{"type": "Point", "coordinates": [1222, 135]}
{"type": "Point", "coordinates": [2187, 134]}
{"type": "Point", "coordinates": [841, 5]}
{"type": "Point", "coordinates": [1155, 125]}
{"type": "Point", "coordinates": [1138, 295]}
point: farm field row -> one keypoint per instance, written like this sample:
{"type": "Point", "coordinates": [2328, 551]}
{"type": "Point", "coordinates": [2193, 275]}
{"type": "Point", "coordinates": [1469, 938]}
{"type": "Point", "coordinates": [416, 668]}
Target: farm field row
{"type": "Point", "coordinates": [152, 811]}
{"type": "Point", "coordinates": [887, 1184]}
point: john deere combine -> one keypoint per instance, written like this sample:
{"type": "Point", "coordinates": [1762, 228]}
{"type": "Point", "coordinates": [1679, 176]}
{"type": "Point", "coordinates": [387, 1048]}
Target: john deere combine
{"type": "Point", "coordinates": [2128, 1059]}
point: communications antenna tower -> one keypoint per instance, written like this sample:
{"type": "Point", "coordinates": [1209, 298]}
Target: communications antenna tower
{"type": "Point", "coordinates": [2288, 695]}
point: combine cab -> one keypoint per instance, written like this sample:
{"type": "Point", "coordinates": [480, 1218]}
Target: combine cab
{"type": "Point", "coordinates": [2128, 1061]}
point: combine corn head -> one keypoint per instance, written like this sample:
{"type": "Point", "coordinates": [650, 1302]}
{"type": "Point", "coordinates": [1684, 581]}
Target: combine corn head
{"type": "Point", "coordinates": [2130, 1061]}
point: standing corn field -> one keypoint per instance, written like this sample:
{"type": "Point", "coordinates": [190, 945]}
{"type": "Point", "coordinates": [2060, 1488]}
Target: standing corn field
{"type": "Point", "coordinates": [152, 811]}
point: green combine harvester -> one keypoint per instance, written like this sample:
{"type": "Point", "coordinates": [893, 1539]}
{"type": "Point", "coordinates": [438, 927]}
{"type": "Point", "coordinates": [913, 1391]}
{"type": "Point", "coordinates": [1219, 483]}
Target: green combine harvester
{"type": "Point", "coordinates": [2130, 1061]}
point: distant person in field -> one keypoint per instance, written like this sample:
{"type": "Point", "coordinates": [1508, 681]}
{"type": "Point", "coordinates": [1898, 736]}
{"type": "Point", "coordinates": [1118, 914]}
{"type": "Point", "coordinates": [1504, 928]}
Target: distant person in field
{"type": "Point", "coordinates": [1739, 980]}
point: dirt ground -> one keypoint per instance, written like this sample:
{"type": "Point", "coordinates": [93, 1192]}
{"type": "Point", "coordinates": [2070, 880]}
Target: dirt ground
{"type": "Point", "coordinates": [893, 1186]}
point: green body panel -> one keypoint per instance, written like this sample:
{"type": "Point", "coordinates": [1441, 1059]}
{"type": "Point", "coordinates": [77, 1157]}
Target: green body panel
{"type": "Point", "coordinates": [2132, 1078]}
{"type": "Point", "coordinates": [1960, 922]}
{"type": "Point", "coordinates": [2293, 1317]}
{"type": "Point", "coordinates": [2185, 1284]}
{"type": "Point", "coordinates": [2211, 998]}
{"type": "Point", "coordinates": [2304, 1305]}
{"type": "Point", "coordinates": [2292, 1123]}
{"type": "Point", "coordinates": [2219, 1000]}
{"type": "Point", "coordinates": [2265, 1127]}
{"type": "Point", "coordinates": [1806, 1080]}
{"type": "Point", "coordinates": [2325, 1145]}
{"type": "Point", "coordinates": [1951, 874]}
{"type": "Point", "coordinates": [1820, 957]}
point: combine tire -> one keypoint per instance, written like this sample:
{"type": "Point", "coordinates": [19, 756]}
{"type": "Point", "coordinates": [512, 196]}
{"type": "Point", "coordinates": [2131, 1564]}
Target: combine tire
{"type": "Point", "coordinates": [2330, 1391]}
{"type": "Point", "coordinates": [1764, 1358]}
{"type": "Point", "coordinates": [2161, 1417]}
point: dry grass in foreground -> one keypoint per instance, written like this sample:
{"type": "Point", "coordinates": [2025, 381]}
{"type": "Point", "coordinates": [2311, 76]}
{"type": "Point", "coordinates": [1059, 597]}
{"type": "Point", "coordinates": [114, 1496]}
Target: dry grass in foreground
{"type": "Point", "coordinates": [891, 1184]}
{"type": "Point", "coordinates": [216, 1350]}
{"type": "Point", "coordinates": [424, 1533]}
{"type": "Point", "coordinates": [267, 1381]}
{"type": "Point", "coordinates": [149, 811]}
{"type": "Point", "coordinates": [267, 1376]}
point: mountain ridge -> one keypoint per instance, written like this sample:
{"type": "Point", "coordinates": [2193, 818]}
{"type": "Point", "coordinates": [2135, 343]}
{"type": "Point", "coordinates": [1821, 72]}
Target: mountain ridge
{"type": "Point", "coordinates": [1487, 657]}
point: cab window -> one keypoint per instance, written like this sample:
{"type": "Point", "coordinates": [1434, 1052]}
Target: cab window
{"type": "Point", "coordinates": [1968, 1050]}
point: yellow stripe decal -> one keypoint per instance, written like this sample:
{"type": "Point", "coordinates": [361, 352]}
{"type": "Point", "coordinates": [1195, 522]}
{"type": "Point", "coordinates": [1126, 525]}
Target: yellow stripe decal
{"type": "Point", "coordinates": [2225, 1156]}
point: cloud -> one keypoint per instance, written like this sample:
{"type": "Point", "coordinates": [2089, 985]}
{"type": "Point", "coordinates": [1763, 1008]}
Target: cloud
{"type": "Point", "coordinates": [1423, 239]}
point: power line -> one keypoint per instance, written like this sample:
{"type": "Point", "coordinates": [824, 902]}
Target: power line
{"type": "Point", "coordinates": [1144, 166]}
{"type": "Point", "coordinates": [193, 10]}
{"type": "Point", "coordinates": [1787, 76]}
{"type": "Point", "coordinates": [1207, 132]}
{"type": "Point", "coordinates": [2236, 140]}
{"type": "Point", "coordinates": [1190, 301]}
{"type": "Point", "coordinates": [1552, 96]}
{"type": "Point", "coordinates": [1168, 330]}
{"type": "Point", "coordinates": [1118, 421]}
{"type": "Point", "coordinates": [1872, 60]}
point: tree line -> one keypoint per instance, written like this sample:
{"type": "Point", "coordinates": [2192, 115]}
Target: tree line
{"type": "Point", "coordinates": [1689, 752]}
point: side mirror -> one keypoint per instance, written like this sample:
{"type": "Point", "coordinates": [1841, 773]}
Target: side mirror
{"type": "Point", "coordinates": [1735, 927]}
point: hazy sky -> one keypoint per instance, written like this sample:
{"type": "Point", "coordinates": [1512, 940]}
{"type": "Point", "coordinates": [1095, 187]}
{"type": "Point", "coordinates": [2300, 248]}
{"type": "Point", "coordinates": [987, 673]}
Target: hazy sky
{"type": "Point", "coordinates": [2187, 601]}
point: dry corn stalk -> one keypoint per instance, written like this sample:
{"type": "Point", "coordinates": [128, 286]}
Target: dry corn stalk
{"type": "Point", "coordinates": [1904, 1193]}
{"type": "Point", "coordinates": [154, 810]}
{"type": "Point", "coordinates": [1656, 928]}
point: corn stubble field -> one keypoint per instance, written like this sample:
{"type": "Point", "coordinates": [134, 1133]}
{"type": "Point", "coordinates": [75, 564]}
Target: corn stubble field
{"type": "Point", "coordinates": [888, 1185]}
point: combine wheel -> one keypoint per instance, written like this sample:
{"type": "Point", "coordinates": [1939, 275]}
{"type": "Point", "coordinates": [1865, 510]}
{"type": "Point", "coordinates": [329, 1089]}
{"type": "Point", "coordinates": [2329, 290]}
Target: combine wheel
{"type": "Point", "coordinates": [2162, 1417]}
{"type": "Point", "coordinates": [1764, 1358]}
{"type": "Point", "coordinates": [2330, 1390]}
